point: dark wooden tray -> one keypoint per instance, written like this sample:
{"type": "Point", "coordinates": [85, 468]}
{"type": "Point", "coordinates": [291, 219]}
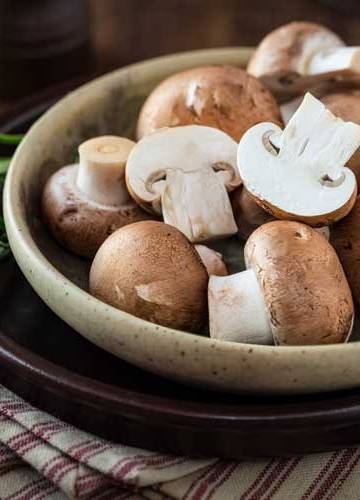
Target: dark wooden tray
{"type": "Point", "coordinates": [47, 363]}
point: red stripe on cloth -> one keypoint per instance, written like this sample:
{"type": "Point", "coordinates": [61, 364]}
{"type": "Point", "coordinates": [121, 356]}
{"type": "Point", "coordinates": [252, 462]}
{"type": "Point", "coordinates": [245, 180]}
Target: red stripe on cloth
{"type": "Point", "coordinates": [11, 408]}
{"type": "Point", "coordinates": [45, 430]}
{"type": "Point", "coordinates": [345, 475]}
{"type": "Point", "coordinates": [202, 486]}
{"type": "Point", "coordinates": [321, 475]}
{"type": "Point", "coordinates": [23, 443]}
{"type": "Point", "coordinates": [206, 471]}
{"type": "Point", "coordinates": [32, 488]}
{"type": "Point", "coordinates": [128, 464]}
{"type": "Point", "coordinates": [259, 478]}
{"type": "Point", "coordinates": [282, 478]}
{"type": "Point", "coordinates": [269, 479]}
{"type": "Point", "coordinates": [228, 473]}
{"type": "Point", "coordinates": [342, 463]}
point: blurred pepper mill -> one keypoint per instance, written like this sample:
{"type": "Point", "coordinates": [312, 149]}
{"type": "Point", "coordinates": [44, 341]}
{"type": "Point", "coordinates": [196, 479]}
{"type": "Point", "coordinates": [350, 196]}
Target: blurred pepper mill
{"type": "Point", "coordinates": [42, 42]}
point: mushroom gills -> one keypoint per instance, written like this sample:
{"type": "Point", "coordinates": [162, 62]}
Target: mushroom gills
{"type": "Point", "coordinates": [198, 205]}
{"type": "Point", "coordinates": [237, 309]}
{"type": "Point", "coordinates": [305, 174]}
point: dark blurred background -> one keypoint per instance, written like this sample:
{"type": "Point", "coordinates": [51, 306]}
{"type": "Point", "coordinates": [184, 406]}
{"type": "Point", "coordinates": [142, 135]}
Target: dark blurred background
{"type": "Point", "coordinates": [44, 43]}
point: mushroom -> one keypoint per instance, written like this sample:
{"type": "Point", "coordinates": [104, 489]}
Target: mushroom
{"type": "Point", "coordinates": [185, 173]}
{"type": "Point", "coordinates": [346, 105]}
{"type": "Point", "coordinates": [293, 291]}
{"type": "Point", "coordinates": [223, 97]}
{"type": "Point", "coordinates": [212, 260]}
{"type": "Point", "coordinates": [247, 213]}
{"type": "Point", "coordinates": [303, 178]}
{"type": "Point", "coordinates": [83, 203]}
{"type": "Point", "coordinates": [149, 269]}
{"type": "Point", "coordinates": [302, 55]}
{"type": "Point", "coordinates": [345, 237]}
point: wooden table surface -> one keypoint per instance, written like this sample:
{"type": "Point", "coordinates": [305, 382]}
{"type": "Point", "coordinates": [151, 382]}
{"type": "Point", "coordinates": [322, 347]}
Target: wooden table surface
{"type": "Point", "coordinates": [130, 30]}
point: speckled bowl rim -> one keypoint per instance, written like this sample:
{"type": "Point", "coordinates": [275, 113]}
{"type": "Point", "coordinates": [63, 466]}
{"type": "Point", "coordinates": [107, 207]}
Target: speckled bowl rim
{"type": "Point", "coordinates": [37, 268]}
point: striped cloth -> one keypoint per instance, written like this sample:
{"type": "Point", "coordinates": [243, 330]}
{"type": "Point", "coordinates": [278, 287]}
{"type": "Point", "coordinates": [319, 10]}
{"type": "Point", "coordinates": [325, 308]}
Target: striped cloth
{"type": "Point", "coordinates": [44, 458]}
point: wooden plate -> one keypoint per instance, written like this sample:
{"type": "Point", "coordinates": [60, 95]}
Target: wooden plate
{"type": "Point", "coordinates": [50, 365]}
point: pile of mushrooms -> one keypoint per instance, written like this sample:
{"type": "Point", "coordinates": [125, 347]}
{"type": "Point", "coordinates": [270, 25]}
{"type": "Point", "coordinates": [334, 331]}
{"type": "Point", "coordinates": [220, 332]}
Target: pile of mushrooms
{"type": "Point", "coordinates": [270, 156]}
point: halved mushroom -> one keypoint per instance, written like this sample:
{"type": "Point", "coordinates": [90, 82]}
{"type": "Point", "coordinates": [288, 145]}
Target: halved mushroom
{"type": "Point", "coordinates": [150, 270]}
{"type": "Point", "coordinates": [304, 177]}
{"type": "Point", "coordinates": [293, 292]}
{"type": "Point", "coordinates": [185, 173]}
{"type": "Point", "coordinates": [223, 97]}
{"type": "Point", "coordinates": [345, 237]}
{"type": "Point", "coordinates": [83, 203]}
{"type": "Point", "coordinates": [346, 105]}
{"type": "Point", "coordinates": [212, 260]}
{"type": "Point", "coordinates": [301, 55]}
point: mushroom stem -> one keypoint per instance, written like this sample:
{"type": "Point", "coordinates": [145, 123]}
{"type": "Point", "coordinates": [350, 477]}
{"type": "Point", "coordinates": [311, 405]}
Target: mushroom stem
{"type": "Point", "coordinates": [335, 59]}
{"type": "Point", "coordinates": [315, 137]}
{"type": "Point", "coordinates": [237, 309]}
{"type": "Point", "coordinates": [101, 174]}
{"type": "Point", "coordinates": [186, 206]}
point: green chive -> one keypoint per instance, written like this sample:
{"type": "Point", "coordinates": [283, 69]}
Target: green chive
{"type": "Point", "coordinates": [11, 139]}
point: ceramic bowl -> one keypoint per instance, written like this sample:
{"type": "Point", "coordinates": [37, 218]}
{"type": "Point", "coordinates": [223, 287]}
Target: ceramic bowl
{"type": "Point", "coordinates": [110, 105]}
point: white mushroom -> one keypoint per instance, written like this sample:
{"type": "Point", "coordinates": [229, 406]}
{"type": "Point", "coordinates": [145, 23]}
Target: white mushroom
{"type": "Point", "coordinates": [185, 173]}
{"type": "Point", "coordinates": [303, 179]}
{"type": "Point", "coordinates": [294, 291]}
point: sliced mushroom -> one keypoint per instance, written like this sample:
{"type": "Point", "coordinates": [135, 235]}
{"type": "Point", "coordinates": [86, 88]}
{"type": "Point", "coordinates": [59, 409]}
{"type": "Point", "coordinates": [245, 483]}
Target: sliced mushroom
{"type": "Point", "coordinates": [294, 291]}
{"type": "Point", "coordinates": [185, 173]}
{"type": "Point", "coordinates": [223, 97]}
{"type": "Point", "coordinates": [150, 270]}
{"type": "Point", "coordinates": [346, 105]}
{"type": "Point", "coordinates": [300, 55]}
{"type": "Point", "coordinates": [212, 260]}
{"type": "Point", "coordinates": [345, 237]}
{"type": "Point", "coordinates": [304, 177]}
{"type": "Point", "coordinates": [82, 204]}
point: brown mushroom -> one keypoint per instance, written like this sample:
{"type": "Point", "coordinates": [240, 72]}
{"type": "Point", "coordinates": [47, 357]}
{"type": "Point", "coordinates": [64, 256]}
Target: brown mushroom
{"type": "Point", "coordinates": [150, 269]}
{"type": "Point", "coordinates": [345, 237]}
{"type": "Point", "coordinates": [248, 214]}
{"type": "Point", "coordinates": [304, 177]}
{"type": "Point", "coordinates": [300, 56]}
{"type": "Point", "coordinates": [223, 97]}
{"type": "Point", "coordinates": [83, 203]}
{"type": "Point", "coordinates": [294, 291]}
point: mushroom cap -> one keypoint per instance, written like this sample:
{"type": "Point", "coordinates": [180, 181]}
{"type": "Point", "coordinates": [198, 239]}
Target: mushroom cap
{"type": "Point", "coordinates": [223, 97]}
{"type": "Point", "coordinates": [288, 49]}
{"type": "Point", "coordinates": [345, 238]}
{"type": "Point", "coordinates": [212, 260]}
{"type": "Point", "coordinates": [248, 213]}
{"type": "Point", "coordinates": [346, 105]}
{"type": "Point", "coordinates": [75, 222]}
{"type": "Point", "coordinates": [305, 289]}
{"type": "Point", "coordinates": [150, 269]}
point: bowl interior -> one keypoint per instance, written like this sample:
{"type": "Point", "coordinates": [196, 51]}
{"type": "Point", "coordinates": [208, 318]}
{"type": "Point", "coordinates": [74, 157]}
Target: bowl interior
{"type": "Point", "coordinates": [110, 105]}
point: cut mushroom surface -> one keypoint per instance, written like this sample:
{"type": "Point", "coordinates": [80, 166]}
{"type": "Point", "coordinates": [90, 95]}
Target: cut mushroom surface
{"type": "Point", "coordinates": [83, 203]}
{"type": "Point", "coordinates": [304, 177]}
{"type": "Point", "coordinates": [346, 105]}
{"type": "Point", "coordinates": [223, 97]}
{"type": "Point", "coordinates": [185, 173]}
{"type": "Point", "coordinates": [294, 291]}
{"type": "Point", "coordinates": [149, 269]}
